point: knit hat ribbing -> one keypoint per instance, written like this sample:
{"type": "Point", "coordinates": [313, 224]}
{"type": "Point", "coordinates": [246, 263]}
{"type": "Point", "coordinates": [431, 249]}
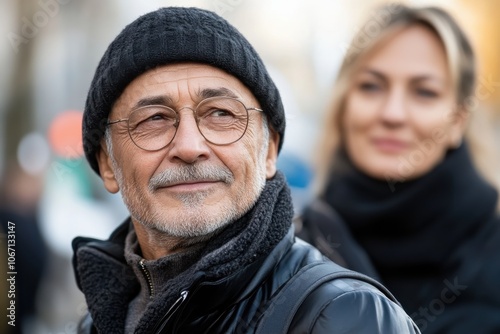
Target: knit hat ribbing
{"type": "Point", "coordinates": [173, 35]}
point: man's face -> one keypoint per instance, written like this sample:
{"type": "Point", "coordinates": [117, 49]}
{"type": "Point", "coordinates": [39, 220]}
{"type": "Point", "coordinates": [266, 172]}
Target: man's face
{"type": "Point", "coordinates": [191, 187]}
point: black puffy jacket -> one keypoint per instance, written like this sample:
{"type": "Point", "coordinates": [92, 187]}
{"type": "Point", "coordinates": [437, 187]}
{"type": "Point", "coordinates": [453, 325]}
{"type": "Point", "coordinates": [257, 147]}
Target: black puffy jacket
{"type": "Point", "coordinates": [233, 304]}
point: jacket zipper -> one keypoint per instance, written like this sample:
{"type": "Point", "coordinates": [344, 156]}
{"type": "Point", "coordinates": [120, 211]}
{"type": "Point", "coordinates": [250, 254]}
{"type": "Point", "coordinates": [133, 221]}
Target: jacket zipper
{"type": "Point", "coordinates": [160, 325]}
{"type": "Point", "coordinates": [148, 278]}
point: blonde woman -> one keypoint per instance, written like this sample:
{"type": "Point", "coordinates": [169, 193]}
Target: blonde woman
{"type": "Point", "coordinates": [402, 199]}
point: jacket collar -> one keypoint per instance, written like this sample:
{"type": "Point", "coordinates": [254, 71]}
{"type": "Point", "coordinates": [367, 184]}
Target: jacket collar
{"type": "Point", "coordinates": [239, 285]}
{"type": "Point", "coordinates": [113, 247]}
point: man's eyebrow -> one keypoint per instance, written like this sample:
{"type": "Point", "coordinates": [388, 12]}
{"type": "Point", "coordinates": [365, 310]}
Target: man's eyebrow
{"type": "Point", "coordinates": [163, 100]}
{"type": "Point", "coordinates": [216, 92]}
{"type": "Point", "coordinates": [166, 100]}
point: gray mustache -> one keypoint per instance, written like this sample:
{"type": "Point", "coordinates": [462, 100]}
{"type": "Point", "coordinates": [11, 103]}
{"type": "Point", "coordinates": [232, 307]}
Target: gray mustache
{"type": "Point", "coordinates": [190, 173]}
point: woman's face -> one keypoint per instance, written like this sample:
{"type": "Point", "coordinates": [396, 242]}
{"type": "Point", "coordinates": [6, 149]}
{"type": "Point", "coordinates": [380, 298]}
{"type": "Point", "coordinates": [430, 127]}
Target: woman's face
{"type": "Point", "coordinates": [401, 115]}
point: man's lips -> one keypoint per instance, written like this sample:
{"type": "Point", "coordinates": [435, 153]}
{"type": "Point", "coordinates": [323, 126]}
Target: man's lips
{"type": "Point", "coordinates": [190, 185]}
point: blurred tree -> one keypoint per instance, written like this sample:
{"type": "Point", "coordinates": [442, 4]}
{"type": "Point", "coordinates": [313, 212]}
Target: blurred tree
{"type": "Point", "coordinates": [19, 118]}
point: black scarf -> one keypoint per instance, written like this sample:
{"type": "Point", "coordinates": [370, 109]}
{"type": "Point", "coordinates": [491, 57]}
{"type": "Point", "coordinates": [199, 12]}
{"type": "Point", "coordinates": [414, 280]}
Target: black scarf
{"type": "Point", "coordinates": [109, 284]}
{"type": "Point", "coordinates": [413, 225]}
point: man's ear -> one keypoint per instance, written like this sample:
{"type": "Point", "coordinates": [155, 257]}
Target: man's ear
{"type": "Point", "coordinates": [272, 153]}
{"type": "Point", "coordinates": [458, 126]}
{"type": "Point", "coordinates": [106, 170]}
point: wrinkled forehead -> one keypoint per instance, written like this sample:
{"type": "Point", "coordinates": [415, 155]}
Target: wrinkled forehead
{"type": "Point", "coordinates": [184, 84]}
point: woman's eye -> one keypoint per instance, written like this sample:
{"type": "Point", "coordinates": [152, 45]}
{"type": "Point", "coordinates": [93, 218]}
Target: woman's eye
{"type": "Point", "coordinates": [427, 93]}
{"type": "Point", "coordinates": [369, 87]}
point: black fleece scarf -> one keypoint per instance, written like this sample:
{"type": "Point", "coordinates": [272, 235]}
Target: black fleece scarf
{"type": "Point", "coordinates": [109, 283]}
{"type": "Point", "coordinates": [415, 225]}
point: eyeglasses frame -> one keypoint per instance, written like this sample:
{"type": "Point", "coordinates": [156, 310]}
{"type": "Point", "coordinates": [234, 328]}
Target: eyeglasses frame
{"type": "Point", "coordinates": [178, 120]}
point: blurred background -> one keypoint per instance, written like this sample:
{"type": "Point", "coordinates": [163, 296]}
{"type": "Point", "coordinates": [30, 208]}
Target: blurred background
{"type": "Point", "coordinates": [50, 49]}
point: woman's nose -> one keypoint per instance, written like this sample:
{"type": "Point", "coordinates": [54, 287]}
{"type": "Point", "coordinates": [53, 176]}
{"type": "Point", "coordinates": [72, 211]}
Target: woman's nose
{"type": "Point", "coordinates": [394, 109]}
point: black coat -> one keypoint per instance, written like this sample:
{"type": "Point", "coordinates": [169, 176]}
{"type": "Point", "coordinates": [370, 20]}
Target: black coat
{"type": "Point", "coordinates": [433, 242]}
{"type": "Point", "coordinates": [232, 305]}
{"type": "Point", "coordinates": [234, 279]}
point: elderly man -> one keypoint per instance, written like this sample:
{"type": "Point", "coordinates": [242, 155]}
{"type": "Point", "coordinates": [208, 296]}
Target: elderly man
{"type": "Point", "coordinates": [183, 119]}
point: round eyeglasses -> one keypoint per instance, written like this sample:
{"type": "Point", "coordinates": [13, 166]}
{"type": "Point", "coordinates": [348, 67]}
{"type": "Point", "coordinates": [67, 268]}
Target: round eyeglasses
{"type": "Point", "coordinates": [220, 120]}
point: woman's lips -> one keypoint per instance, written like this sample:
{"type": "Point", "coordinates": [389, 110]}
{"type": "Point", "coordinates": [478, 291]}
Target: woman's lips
{"type": "Point", "coordinates": [390, 145]}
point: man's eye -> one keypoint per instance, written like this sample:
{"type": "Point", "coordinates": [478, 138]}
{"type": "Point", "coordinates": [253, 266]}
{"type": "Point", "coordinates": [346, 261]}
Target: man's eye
{"type": "Point", "coordinates": [220, 113]}
{"type": "Point", "coordinates": [157, 117]}
{"type": "Point", "coordinates": [160, 117]}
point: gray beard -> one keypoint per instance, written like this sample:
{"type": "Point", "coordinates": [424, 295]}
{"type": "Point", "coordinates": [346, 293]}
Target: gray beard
{"type": "Point", "coordinates": [192, 220]}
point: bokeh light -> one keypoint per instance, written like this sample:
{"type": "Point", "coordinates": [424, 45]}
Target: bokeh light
{"type": "Point", "coordinates": [33, 153]}
{"type": "Point", "coordinates": [65, 134]}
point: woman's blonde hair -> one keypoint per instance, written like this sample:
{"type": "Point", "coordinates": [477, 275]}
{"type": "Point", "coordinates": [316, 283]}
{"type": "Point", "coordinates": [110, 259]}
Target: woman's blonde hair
{"type": "Point", "coordinates": [384, 24]}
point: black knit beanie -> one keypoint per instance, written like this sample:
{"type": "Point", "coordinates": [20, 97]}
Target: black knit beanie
{"type": "Point", "coordinates": [172, 35]}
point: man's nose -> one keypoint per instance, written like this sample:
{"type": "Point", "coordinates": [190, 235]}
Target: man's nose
{"type": "Point", "coordinates": [188, 145]}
